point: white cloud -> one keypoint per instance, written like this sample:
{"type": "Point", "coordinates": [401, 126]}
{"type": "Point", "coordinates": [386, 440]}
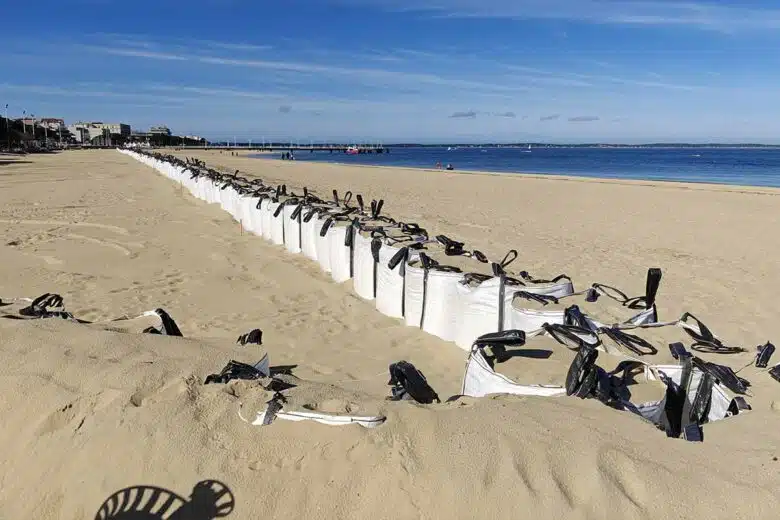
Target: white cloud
{"type": "Point", "coordinates": [705, 14]}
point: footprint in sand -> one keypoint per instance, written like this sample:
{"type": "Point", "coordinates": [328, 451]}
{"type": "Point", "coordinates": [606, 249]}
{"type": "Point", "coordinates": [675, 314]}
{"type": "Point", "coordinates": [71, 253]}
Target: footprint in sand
{"type": "Point", "coordinates": [61, 418]}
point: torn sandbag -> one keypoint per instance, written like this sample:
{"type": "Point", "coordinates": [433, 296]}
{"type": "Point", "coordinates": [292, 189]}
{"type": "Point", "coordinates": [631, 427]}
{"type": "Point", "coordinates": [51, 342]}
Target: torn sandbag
{"type": "Point", "coordinates": [480, 379]}
{"type": "Point", "coordinates": [47, 305]}
{"type": "Point", "coordinates": [234, 370]}
{"type": "Point", "coordinates": [694, 394]}
{"type": "Point", "coordinates": [275, 410]}
{"type": "Point", "coordinates": [598, 306]}
{"type": "Point", "coordinates": [157, 321]}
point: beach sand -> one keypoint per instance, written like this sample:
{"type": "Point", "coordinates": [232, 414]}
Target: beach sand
{"type": "Point", "coordinates": [87, 412]}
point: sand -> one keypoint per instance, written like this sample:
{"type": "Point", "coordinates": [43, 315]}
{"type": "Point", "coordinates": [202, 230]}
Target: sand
{"type": "Point", "coordinates": [87, 412]}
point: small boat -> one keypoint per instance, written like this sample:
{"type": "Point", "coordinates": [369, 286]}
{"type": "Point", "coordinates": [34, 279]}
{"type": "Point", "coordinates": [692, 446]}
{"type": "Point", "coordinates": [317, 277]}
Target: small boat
{"type": "Point", "coordinates": [352, 150]}
{"type": "Point", "coordinates": [529, 149]}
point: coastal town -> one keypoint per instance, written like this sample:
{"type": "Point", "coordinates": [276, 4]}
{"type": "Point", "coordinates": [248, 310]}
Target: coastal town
{"type": "Point", "coordinates": [30, 134]}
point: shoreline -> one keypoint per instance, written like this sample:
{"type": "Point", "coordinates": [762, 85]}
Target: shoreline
{"type": "Point", "coordinates": [709, 186]}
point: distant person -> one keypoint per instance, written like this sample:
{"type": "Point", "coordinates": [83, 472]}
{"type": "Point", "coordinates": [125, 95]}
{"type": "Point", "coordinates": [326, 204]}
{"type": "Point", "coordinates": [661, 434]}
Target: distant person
{"type": "Point", "coordinates": [438, 165]}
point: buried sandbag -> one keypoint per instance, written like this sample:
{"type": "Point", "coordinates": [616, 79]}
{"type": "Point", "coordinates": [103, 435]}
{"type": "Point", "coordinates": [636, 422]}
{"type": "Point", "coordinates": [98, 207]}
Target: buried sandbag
{"type": "Point", "coordinates": [677, 396]}
{"type": "Point", "coordinates": [409, 383]}
{"type": "Point", "coordinates": [235, 370]}
{"type": "Point", "coordinates": [274, 410]}
{"type": "Point", "coordinates": [157, 321]}
{"type": "Point", "coordinates": [47, 305]}
{"type": "Point", "coordinates": [255, 337]}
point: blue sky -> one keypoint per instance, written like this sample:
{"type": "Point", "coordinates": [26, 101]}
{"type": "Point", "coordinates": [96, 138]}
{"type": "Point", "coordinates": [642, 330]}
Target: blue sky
{"type": "Point", "coordinates": [402, 70]}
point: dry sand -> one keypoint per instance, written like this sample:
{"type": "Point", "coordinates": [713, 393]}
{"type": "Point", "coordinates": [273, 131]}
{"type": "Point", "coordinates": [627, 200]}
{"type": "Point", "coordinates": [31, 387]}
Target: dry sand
{"type": "Point", "coordinates": [87, 412]}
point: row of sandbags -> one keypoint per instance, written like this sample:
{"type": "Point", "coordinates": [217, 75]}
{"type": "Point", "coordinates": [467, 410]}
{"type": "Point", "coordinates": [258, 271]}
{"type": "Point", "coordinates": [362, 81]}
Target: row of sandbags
{"type": "Point", "coordinates": [483, 306]}
{"type": "Point", "coordinates": [431, 283]}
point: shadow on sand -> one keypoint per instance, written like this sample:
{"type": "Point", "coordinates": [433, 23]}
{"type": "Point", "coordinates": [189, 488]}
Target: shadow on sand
{"type": "Point", "coordinates": [210, 499]}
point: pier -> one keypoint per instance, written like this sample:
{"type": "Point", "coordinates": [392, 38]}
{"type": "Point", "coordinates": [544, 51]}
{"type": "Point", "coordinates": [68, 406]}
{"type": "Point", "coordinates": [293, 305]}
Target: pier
{"type": "Point", "coordinates": [330, 148]}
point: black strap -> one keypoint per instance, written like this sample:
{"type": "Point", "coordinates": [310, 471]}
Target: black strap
{"type": "Point", "coordinates": [500, 268]}
{"type": "Point", "coordinates": [635, 344]}
{"type": "Point", "coordinates": [402, 272]}
{"type": "Point", "coordinates": [544, 299]}
{"type": "Point", "coordinates": [704, 340]}
{"type": "Point", "coordinates": [501, 296]}
{"type": "Point", "coordinates": [426, 265]}
{"type": "Point", "coordinates": [646, 301]}
{"type": "Point", "coordinates": [528, 278]}
{"type": "Point", "coordinates": [451, 247]}
{"type": "Point", "coordinates": [572, 333]}
{"type": "Point", "coordinates": [325, 226]}
{"type": "Point", "coordinates": [574, 316]}
{"type": "Point", "coordinates": [376, 246]}
{"type": "Point", "coordinates": [299, 217]}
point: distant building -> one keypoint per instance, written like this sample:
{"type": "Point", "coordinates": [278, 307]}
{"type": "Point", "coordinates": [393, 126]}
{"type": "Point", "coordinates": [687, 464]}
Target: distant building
{"type": "Point", "coordinates": [160, 130]}
{"type": "Point", "coordinates": [194, 138]}
{"type": "Point", "coordinates": [86, 132]}
{"type": "Point", "coordinates": [52, 124]}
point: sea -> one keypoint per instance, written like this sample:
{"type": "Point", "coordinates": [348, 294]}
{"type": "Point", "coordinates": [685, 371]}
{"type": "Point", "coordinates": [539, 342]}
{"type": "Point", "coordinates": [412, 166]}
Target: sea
{"type": "Point", "coordinates": [735, 166]}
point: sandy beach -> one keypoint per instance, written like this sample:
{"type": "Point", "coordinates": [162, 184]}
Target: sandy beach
{"type": "Point", "coordinates": [88, 412]}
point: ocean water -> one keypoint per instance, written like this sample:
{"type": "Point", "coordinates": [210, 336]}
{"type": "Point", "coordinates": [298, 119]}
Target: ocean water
{"type": "Point", "coordinates": [743, 166]}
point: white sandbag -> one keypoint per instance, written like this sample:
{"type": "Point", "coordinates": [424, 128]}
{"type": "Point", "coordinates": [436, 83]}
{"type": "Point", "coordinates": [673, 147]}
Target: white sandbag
{"type": "Point", "coordinates": [413, 294]}
{"type": "Point", "coordinates": [247, 207]}
{"type": "Point", "coordinates": [481, 380]}
{"type": "Point", "coordinates": [441, 311]}
{"type": "Point", "coordinates": [275, 224]}
{"type": "Point", "coordinates": [486, 307]}
{"type": "Point", "coordinates": [292, 228]}
{"type": "Point", "coordinates": [309, 233]}
{"type": "Point", "coordinates": [390, 282]}
{"type": "Point", "coordinates": [228, 200]}
{"type": "Point", "coordinates": [265, 218]}
{"type": "Point", "coordinates": [252, 216]}
{"type": "Point", "coordinates": [432, 305]}
{"type": "Point", "coordinates": [364, 268]}
{"type": "Point", "coordinates": [339, 252]}
{"type": "Point", "coordinates": [213, 192]}
{"type": "Point", "coordinates": [323, 242]}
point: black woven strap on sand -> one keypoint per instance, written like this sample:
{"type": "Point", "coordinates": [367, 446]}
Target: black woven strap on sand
{"type": "Point", "coordinates": [544, 299]}
{"type": "Point", "coordinates": [451, 247]}
{"type": "Point", "coordinates": [635, 344]}
{"type": "Point", "coordinates": [704, 340]}
{"type": "Point", "coordinates": [570, 335]}
{"type": "Point", "coordinates": [528, 278]}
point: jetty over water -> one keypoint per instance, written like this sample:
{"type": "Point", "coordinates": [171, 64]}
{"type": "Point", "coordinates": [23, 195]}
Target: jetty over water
{"type": "Point", "coordinates": [330, 148]}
